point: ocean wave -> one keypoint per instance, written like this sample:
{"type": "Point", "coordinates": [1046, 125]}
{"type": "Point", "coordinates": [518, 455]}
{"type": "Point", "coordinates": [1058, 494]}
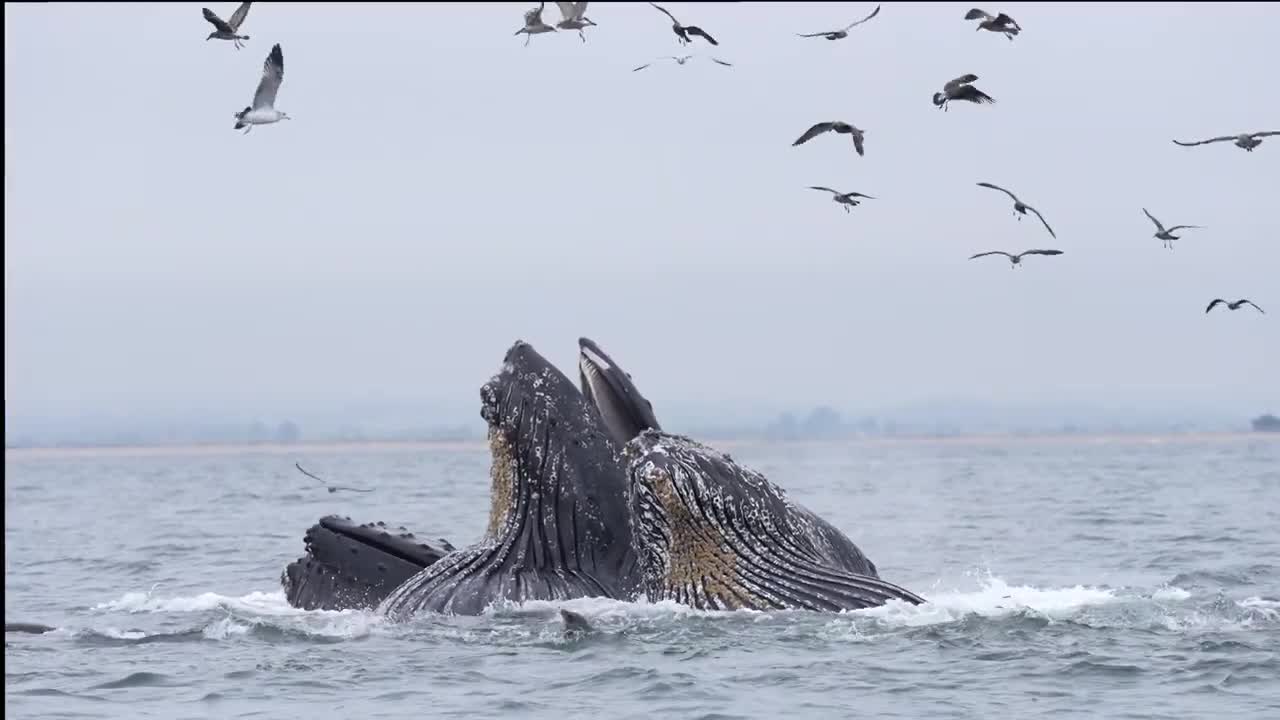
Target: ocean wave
{"type": "Point", "coordinates": [268, 616]}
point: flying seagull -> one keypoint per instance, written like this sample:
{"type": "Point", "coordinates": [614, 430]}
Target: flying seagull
{"type": "Point", "coordinates": [838, 126]}
{"type": "Point", "coordinates": [332, 488]}
{"type": "Point", "coordinates": [263, 110]}
{"type": "Point", "coordinates": [960, 89]}
{"type": "Point", "coordinates": [845, 199]}
{"type": "Point", "coordinates": [998, 23]}
{"type": "Point", "coordinates": [682, 60]}
{"type": "Point", "coordinates": [684, 31]}
{"type": "Point", "coordinates": [1020, 208]}
{"type": "Point", "coordinates": [227, 29]}
{"type": "Point", "coordinates": [574, 17]}
{"type": "Point", "coordinates": [841, 34]}
{"type": "Point", "coordinates": [1248, 141]}
{"type": "Point", "coordinates": [1167, 235]}
{"type": "Point", "coordinates": [1233, 305]}
{"type": "Point", "coordinates": [533, 24]}
{"type": "Point", "coordinates": [1016, 259]}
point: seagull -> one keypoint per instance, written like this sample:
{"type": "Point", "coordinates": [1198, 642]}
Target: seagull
{"type": "Point", "coordinates": [263, 110]}
{"type": "Point", "coordinates": [684, 31]}
{"type": "Point", "coordinates": [533, 25]}
{"type": "Point", "coordinates": [1167, 235]}
{"type": "Point", "coordinates": [1016, 259]}
{"type": "Point", "coordinates": [1233, 305]}
{"type": "Point", "coordinates": [841, 34]}
{"type": "Point", "coordinates": [960, 89]}
{"type": "Point", "coordinates": [332, 488]}
{"type": "Point", "coordinates": [999, 23]}
{"type": "Point", "coordinates": [1248, 141]}
{"type": "Point", "coordinates": [845, 199]}
{"type": "Point", "coordinates": [574, 19]}
{"type": "Point", "coordinates": [682, 60]}
{"type": "Point", "coordinates": [1020, 208]}
{"type": "Point", "coordinates": [838, 126]}
{"type": "Point", "coordinates": [226, 30]}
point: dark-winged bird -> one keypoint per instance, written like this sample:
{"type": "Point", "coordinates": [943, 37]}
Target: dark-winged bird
{"type": "Point", "coordinates": [834, 126]}
{"type": "Point", "coordinates": [1015, 260]}
{"type": "Point", "coordinates": [1233, 305]}
{"type": "Point", "coordinates": [995, 23]}
{"type": "Point", "coordinates": [841, 34]}
{"type": "Point", "coordinates": [684, 31]}
{"type": "Point", "coordinates": [1247, 141]}
{"type": "Point", "coordinates": [845, 199]}
{"type": "Point", "coordinates": [227, 29]}
{"type": "Point", "coordinates": [960, 89]}
{"type": "Point", "coordinates": [1167, 235]}
{"type": "Point", "coordinates": [1019, 208]}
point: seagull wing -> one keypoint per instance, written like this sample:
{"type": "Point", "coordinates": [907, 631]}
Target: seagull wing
{"type": "Point", "coordinates": [821, 34]}
{"type": "Point", "coordinates": [975, 13]}
{"type": "Point", "coordinates": [952, 85]}
{"type": "Point", "coordinates": [718, 60]}
{"type": "Point", "coordinates": [664, 12]}
{"type": "Point", "coordinates": [218, 22]}
{"type": "Point", "coordinates": [819, 187]}
{"type": "Point", "coordinates": [695, 30]}
{"type": "Point", "coordinates": [858, 194]}
{"type": "Point", "coordinates": [571, 10]}
{"type": "Point", "coordinates": [813, 132]}
{"type": "Point", "coordinates": [237, 17]}
{"type": "Point", "coordinates": [857, 141]}
{"type": "Point", "coordinates": [973, 94]}
{"type": "Point", "coordinates": [1267, 133]}
{"type": "Point", "coordinates": [997, 187]}
{"type": "Point", "coordinates": [1215, 303]}
{"type": "Point", "coordinates": [1039, 252]}
{"type": "Point", "coordinates": [272, 76]}
{"type": "Point", "coordinates": [1204, 142]}
{"type": "Point", "coordinates": [993, 252]}
{"type": "Point", "coordinates": [534, 16]}
{"type": "Point", "coordinates": [859, 22]}
{"type": "Point", "coordinates": [1159, 227]}
{"type": "Point", "coordinates": [1186, 227]}
{"type": "Point", "coordinates": [1043, 222]}
{"type": "Point", "coordinates": [642, 67]}
{"type": "Point", "coordinates": [1255, 307]}
{"type": "Point", "coordinates": [1003, 19]}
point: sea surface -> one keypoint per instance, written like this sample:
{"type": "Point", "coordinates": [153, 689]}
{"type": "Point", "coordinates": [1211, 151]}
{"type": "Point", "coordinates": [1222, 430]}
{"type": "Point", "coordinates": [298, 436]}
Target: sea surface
{"type": "Point", "coordinates": [1134, 577]}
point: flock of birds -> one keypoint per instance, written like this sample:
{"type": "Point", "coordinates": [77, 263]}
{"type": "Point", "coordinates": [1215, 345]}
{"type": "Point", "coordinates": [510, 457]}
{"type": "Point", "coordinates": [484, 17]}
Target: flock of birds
{"type": "Point", "coordinates": [262, 111]}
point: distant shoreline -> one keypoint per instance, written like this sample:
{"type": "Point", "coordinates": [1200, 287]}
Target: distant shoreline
{"type": "Point", "coordinates": [301, 449]}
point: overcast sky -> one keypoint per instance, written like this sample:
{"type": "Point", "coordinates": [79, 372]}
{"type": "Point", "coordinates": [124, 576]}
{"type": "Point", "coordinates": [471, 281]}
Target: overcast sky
{"type": "Point", "coordinates": [443, 191]}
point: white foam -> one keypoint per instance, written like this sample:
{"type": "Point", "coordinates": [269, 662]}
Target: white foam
{"type": "Point", "coordinates": [996, 598]}
{"type": "Point", "coordinates": [1170, 593]}
{"type": "Point", "coordinates": [257, 603]}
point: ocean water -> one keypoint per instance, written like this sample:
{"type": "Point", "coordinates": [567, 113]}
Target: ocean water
{"type": "Point", "coordinates": [1074, 577]}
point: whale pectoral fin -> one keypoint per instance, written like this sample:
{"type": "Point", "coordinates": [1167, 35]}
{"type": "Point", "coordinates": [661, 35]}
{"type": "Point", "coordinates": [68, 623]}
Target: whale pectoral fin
{"type": "Point", "coordinates": [355, 566]}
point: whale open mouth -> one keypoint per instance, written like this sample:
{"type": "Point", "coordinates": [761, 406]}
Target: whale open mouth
{"type": "Point", "coordinates": [626, 413]}
{"type": "Point", "coordinates": [714, 535]}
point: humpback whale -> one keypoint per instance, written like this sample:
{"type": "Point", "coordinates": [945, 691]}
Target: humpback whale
{"type": "Point", "coordinates": [717, 536]}
{"type": "Point", "coordinates": [589, 497]}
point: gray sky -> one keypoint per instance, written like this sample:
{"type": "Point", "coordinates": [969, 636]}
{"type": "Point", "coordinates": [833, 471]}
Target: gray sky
{"type": "Point", "coordinates": [442, 191]}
